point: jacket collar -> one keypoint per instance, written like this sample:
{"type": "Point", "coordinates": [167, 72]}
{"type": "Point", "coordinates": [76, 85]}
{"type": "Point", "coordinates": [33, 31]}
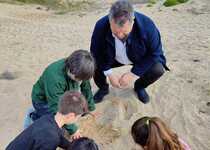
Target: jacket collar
{"type": "Point", "coordinates": [109, 37]}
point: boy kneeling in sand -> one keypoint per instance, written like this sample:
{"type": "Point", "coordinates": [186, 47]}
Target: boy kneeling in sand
{"type": "Point", "coordinates": [71, 73]}
{"type": "Point", "coordinates": [45, 133]}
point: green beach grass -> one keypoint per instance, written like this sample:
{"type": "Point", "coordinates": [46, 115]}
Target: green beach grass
{"type": "Point", "coordinates": [62, 5]}
{"type": "Point", "coordinates": [169, 3]}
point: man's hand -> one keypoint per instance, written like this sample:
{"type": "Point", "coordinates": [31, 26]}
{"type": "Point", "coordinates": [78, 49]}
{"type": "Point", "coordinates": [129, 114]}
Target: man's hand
{"type": "Point", "coordinates": [114, 80]}
{"type": "Point", "coordinates": [126, 78]}
{"type": "Point", "coordinates": [76, 135]}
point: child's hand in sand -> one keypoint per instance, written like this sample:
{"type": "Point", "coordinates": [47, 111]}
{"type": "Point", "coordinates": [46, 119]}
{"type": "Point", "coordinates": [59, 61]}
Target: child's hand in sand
{"type": "Point", "coordinates": [76, 135]}
{"type": "Point", "coordinates": [96, 114]}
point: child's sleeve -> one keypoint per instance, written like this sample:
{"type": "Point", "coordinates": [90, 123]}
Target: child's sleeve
{"type": "Point", "coordinates": [186, 146]}
{"type": "Point", "coordinates": [87, 92]}
{"type": "Point", "coordinates": [64, 143]}
{"type": "Point", "coordinates": [71, 128]}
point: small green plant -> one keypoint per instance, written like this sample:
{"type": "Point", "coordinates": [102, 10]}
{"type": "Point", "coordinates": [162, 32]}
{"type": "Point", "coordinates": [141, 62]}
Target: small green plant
{"type": "Point", "coordinates": [169, 3]}
{"type": "Point", "coordinates": [32, 1]}
{"type": "Point", "coordinates": [63, 5]}
{"type": "Point", "coordinates": [182, 1]}
{"type": "Point", "coordinates": [152, 1]}
{"type": "Point", "coordinates": [11, 2]}
{"type": "Point", "coordinates": [149, 5]}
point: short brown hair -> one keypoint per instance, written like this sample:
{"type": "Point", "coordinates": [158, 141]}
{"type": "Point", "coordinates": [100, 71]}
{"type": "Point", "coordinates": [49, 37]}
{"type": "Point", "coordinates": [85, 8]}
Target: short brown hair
{"type": "Point", "coordinates": [81, 64]}
{"type": "Point", "coordinates": [72, 102]}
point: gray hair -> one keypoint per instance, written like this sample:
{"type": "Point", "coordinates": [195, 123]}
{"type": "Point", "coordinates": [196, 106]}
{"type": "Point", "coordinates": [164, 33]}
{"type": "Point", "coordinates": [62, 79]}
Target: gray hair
{"type": "Point", "coordinates": [121, 11]}
{"type": "Point", "coordinates": [81, 64]}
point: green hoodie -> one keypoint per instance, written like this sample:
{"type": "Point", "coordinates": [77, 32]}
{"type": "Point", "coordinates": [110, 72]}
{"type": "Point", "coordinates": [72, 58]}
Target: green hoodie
{"type": "Point", "coordinates": [53, 83]}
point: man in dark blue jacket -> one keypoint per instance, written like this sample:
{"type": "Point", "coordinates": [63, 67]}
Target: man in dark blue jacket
{"type": "Point", "coordinates": [126, 37]}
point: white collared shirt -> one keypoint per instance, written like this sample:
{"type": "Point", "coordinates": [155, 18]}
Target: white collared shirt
{"type": "Point", "coordinates": [120, 54]}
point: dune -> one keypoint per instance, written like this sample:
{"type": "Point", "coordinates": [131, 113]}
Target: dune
{"type": "Point", "coordinates": [32, 38]}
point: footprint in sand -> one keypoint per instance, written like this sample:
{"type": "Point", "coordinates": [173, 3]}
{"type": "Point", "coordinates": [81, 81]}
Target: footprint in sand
{"type": "Point", "coordinates": [7, 75]}
{"type": "Point", "coordinates": [116, 109]}
{"type": "Point", "coordinates": [205, 108]}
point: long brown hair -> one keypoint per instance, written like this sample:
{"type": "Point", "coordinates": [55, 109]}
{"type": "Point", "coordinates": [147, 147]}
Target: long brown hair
{"type": "Point", "coordinates": [154, 134]}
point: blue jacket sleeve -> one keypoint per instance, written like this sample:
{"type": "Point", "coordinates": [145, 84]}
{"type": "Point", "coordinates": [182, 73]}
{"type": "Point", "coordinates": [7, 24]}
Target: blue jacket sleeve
{"type": "Point", "coordinates": [154, 51]}
{"type": "Point", "coordinates": [87, 92]}
{"type": "Point", "coordinates": [99, 46]}
{"type": "Point", "coordinates": [64, 143]}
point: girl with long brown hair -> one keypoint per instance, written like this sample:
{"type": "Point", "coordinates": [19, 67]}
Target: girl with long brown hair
{"type": "Point", "coordinates": [153, 134]}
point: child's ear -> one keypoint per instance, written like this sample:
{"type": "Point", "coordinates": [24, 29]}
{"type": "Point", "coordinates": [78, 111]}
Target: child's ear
{"type": "Point", "coordinates": [71, 116]}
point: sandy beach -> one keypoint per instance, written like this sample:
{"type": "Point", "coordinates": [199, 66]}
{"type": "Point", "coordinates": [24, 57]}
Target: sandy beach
{"type": "Point", "coordinates": [32, 38]}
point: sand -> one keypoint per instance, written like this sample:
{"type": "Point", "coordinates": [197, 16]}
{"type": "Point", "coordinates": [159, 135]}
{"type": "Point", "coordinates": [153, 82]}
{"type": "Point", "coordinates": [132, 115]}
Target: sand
{"type": "Point", "coordinates": [33, 38]}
